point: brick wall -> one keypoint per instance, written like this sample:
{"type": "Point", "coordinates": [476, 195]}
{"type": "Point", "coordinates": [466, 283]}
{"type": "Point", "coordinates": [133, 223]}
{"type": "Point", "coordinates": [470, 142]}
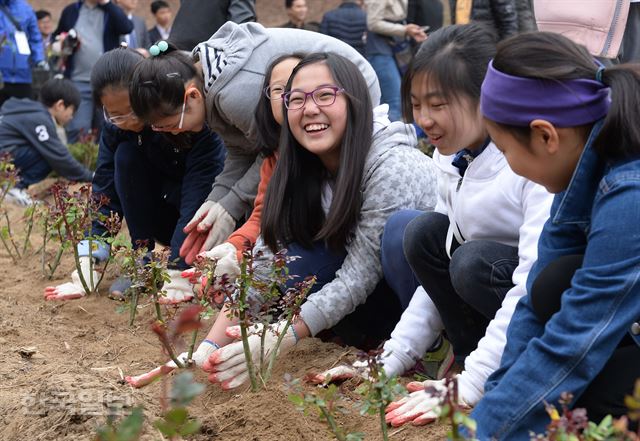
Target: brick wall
{"type": "Point", "coordinates": [270, 12]}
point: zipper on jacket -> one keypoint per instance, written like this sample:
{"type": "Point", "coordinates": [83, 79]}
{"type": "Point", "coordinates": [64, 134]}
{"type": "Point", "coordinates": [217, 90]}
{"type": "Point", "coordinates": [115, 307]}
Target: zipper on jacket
{"type": "Point", "coordinates": [459, 184]}
{"type": "Point", "coordinates": [616, 17]}
{"type": "Point", "coordinates": [139, 139]}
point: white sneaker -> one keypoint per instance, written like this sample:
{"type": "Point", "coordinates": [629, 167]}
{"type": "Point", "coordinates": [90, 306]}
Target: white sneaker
{"type": "Point", "coordinates": [19, 196]}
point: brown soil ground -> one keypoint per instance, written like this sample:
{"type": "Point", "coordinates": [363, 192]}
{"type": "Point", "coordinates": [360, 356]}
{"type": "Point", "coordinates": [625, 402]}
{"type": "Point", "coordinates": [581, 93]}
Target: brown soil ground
{"type": "Point", "coordinates": [84, 347]}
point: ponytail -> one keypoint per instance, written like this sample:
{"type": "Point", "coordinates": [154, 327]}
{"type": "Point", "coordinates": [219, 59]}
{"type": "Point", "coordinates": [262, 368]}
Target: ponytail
{"type": "Point", "coordinates": [553, 57]}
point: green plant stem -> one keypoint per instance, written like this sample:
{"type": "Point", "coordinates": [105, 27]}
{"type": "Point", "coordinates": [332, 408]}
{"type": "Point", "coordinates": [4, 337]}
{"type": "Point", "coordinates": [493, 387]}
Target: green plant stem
{"type": "Point", "coordinates": [156, 303]}
{"type": "Point", "coordinates": [263, 336]}
{"type": "Point", "coordinates": [383, 423]}
{"type": "Point", "coordinates": [173, 356]}
{"type": "Point", "coordinates": [332, 424]}
{"type": "Point", "coordinates": [194, 338]}
{"type": "Point", "coordinates": [56, 262]}
{"type": "Point", "coordinates": [76, 258]}
{"type": "Point", "coordinates": [94, 288]}
{"type": "Point", "coordinates": [10, 234]}
{"type": "Point", "coordinates": [133, 306]}
{"type": "Point", "coordinates": [29, 228]}
{"type": "Point", "coordinates": [242, 298]}
{"type": "Point", "coordinates": [104, 271]}
{"type": "Point", "coordinates": [43, 257]}
{"type": "Point", "coordinates": [6, 246]}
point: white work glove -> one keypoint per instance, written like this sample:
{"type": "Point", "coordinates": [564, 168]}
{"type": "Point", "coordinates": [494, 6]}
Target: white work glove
{"type": "Point", "coordinates": [210, 226]}
{"type": "Point", "coordinates": [417, 330]}
{"type": "Point", "coordinates": [421, 407]}
{"type": "Point", "coordinates": [227, 257]}
{"type": "Point", "coordinates": [178, 290]}
{"type": "Point", "coordinates": [19, 196]}
{"type": "Point", "coordinates": [199, 356]}
{"type": "Point", "coordinates": [74, 289]}
{"type": "Point", "coordinates": [228, 366]}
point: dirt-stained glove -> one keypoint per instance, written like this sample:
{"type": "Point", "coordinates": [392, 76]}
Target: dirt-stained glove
{"type": "Point", "coordinates": [227, 366]}
{"type": "Point", "coordinates": [74, 289]}
{"type": "Point", "coordinates": [210, 226]}
{"type": "Point", "coordinates": [178, 290]}
{"type": "Point", "coordinates": [421, 406]}
{"type": "Point", "coordinates": [206, 348]}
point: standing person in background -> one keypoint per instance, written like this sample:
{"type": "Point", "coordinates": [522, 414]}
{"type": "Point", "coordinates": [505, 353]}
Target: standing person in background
{"type": "Point", "coordinates": [630, 51]}
{"type": "Point", "coordinates": [98, 24]}
{"type": "Point", "coordinates": [347, 22]}
{"type": "Point", "coordinates": [198, 20]}
{"type": "Point", "coordinates": [45, 25]}
{"type": "Point", "coordinates": [21, 49]}
{"type": "Point", "coordinates": [139, 37]}
{"type": "Point", "coordinates": [297, 13]}
{"type": "Point", "coordinates": [502, 15]}
{"type": "Point", "coordinates": [386, 22]}
{"type": "Point", "coordinates": [162, 13]}
{"type": "Point", "coordinates": [426, 13]}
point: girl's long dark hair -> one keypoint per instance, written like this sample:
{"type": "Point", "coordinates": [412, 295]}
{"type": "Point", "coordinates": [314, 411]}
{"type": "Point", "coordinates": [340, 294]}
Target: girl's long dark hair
{"type": "Point", "coordinates": [551, 56]}
{"type": "Point", "coordinates": [456, 57]}
{"type": "Point", "coordinates": [292, 208]}
{"type": "Point", "coordinates": [267, 128]}
{"type": "Point", "coordinates": [113, 70]}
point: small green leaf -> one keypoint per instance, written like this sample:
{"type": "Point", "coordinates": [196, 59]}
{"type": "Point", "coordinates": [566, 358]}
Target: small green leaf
{"type": "Point", "coordinates": [177, 416]}
{"type": "Point", "coordinates": [189, 428]}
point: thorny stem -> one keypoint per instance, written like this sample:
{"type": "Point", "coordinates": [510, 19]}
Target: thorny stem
{"type": "Point", "coordinates": [383, 423]}
{"type": "Point", "coordinates": [29, 228]}
{"type": "Point", "coordinates": [76, 258]}
{"type": "Point", "coordinates": [104, 271]}
{"type": "Point", "coordinates": [6, 246]}
{"type": "Point", "coordinates": [242, 298]}
{"type": "Point", "coordinates": [10, 234]}
{"type": "Point", "coordinates": [44, 247]}
{"type": "Point", "coordinates": [56, 262]}
{"type": "Point", "coordinates": [194, 338]}
{"type": "Point", "coordinates": [134, 305]}
{"type": "Point", "coordinates": [332, 424]}
{"type": "Point", "coordinates": [263, 336]}
{"type": "Point", "coordinates": [91, 265]}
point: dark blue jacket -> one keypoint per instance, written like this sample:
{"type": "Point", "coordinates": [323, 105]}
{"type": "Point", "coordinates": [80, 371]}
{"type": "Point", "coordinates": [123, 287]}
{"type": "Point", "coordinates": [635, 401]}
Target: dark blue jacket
{"type": "Point", "coordinates": [16, 68]}
{"type": "Point", "coordinates": [116, 24]}
{"type": "Point", "coordinates": [185, 175]}
{"type": "Point", "coordinates": [348, 23]}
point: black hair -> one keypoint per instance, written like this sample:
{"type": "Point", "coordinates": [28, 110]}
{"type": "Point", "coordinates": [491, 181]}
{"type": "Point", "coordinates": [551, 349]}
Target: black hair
{"type": "Point", "coordinates": [42, 13]}
{"type": "Point", "coordinates": [551, 56]}
{"type": "Point", "coordinates": [456, 57]}
{"type": "Point", "coordinates": [157, 84]}
{"type": "Point", "coordinates": [288, 3]}
{"type": "Point", "coordinates": [113, 69]}
{"type": "Point", "coordinates": [157, 5]}
{"type": "Point", "coordinates": [292, 207]}
{"type": "Point", "coordinates": [267, 128]}
{"type": "Point", "coordinates": [57, 89]}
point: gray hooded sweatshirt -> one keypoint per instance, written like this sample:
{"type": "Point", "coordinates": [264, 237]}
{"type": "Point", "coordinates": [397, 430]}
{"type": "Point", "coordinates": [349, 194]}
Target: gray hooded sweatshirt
{"type": "Point", "coordinates": [24, 124]}
{"type": "Point", "coordinates": [397, 176]}
{"type": "Point", "coordinates": [234, 61]}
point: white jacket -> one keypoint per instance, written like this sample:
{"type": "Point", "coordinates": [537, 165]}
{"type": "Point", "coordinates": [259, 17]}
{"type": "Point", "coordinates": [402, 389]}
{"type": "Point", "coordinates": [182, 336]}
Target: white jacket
{"type": "Point", "coordinates": [492, 203]}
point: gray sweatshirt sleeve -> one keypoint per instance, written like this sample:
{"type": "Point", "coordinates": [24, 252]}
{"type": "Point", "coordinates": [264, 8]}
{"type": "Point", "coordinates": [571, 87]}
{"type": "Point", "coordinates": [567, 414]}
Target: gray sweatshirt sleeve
{"type": "Point", "coordinates": [402, 178]}
{"type": "Point", "coordinates": [44, 139]}
{"type": "Point", "coordinates": [242, 11]}
{"type": "Point", "coordinates": [236, 187]}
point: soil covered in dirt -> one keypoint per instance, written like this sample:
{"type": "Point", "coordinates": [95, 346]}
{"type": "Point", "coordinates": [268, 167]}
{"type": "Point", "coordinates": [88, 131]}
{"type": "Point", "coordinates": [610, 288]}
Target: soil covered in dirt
{"type": "Point", "coordinates": [64, 363]}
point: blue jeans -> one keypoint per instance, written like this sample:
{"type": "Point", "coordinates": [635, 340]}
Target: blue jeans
{"type": "Point", "coordinates": [371, 322]}
{"type": "Point", "coordinates": [150, 201]}
{"type": "Point", "coordinates": [32, 167]}
{"type": "Point", "coordinates": [389, 78]}
{"type": "Point", "coordinates": [467, 289]}
{"type": "Point", "coordinates": [86, 117]}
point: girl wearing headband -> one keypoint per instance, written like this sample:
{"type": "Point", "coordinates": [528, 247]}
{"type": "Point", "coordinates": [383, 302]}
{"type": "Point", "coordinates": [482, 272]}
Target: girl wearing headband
{"type": "Point", "coordinates": [472, 255]}
{"type": "Point", "coordinates": [567, 123]}
{"type": "Point", "coordinates": [150, 182]}
{"type": "Point", "coordinates": [219, 86]}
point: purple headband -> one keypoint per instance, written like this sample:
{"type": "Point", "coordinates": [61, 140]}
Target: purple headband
{"type": "Point", "coordinates": [516, 101]}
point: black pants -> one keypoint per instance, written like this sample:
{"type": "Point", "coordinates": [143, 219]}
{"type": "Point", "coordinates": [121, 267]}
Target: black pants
{"type": "Point", "coordinates": [17, 90]}
{"type": "Point", "coordinates": [467, 289]}
{"type": "Point", "coordinates": [605, 395]}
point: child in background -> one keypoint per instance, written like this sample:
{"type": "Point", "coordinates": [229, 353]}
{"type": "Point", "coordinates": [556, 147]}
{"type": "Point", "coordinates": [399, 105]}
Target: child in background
{"type": "Point", "coordinates": [163, 15]}
{"type": "Point", "coordinates": [176, 93]}
{"type": "Point", "coordinates": [571, 125]}
{"type": "Point", "coordinates": [471, 255]}
{"type": "Point", "coordinates": [28, 132]}
{"type": "Point", "coordinates": [150, 180]}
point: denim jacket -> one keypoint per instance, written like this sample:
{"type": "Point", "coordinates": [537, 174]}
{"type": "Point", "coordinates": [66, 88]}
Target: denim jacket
{"type": "Point", "coordinates": [597, 215]}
